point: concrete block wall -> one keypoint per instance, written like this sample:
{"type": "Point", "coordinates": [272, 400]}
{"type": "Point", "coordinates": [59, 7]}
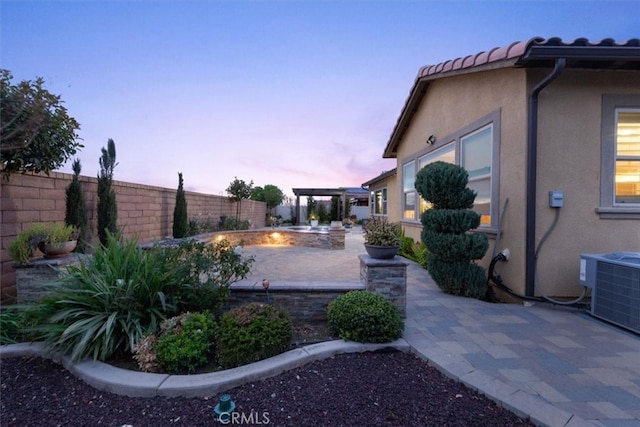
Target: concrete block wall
{"type": "Point", "coordinates": [144, 212]}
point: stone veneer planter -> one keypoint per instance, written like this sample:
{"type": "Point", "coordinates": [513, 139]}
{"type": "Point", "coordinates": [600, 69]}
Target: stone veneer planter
{"type": "Point", "coordinates": [33, 280]}
{"type": "Point", "coordinates": [387, 277]}
{"type": "Point", "coordinates": [313, 237]}
{"type": "Point", "coordinates": [305, 301]}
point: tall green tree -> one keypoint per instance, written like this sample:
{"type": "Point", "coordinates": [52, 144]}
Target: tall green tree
{"type": "Point", "coordinates": [76, 207]}
{"type": "Point", "coordinates": [270, 194]}
{"type": "Point", "coordinates": [238, 191]}
{"type": "Point", "coordinates": [445, 230]}
{"type": "Point", "coordinates": [36, 133]}
{"type": "Point", "coordinates": [107, 207]}
{"type": "Point", "coordinates": [180, 220]}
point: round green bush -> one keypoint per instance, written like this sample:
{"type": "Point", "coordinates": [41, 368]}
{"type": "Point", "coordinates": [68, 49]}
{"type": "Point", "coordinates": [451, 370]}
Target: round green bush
{"type": "Point", "coordinates": [252, 332]}
{"type": "Point", "coordinates": [186, 343]}
{"type": "Point", "coordinates": [365, 317]}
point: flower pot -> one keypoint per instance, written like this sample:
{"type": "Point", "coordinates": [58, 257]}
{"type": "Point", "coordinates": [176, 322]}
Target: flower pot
{"type": "Point", "coordinates": [314, 222]}
{"type": "Point", "coordinates": [57, 250]}
{"type": "Point", "coordinates": [336, 224]}
{"type": "Point", "coordinates": [382, 252]}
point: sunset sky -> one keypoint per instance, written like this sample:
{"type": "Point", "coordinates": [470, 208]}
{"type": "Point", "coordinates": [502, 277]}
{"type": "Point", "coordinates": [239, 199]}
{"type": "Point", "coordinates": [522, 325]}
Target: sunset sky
{"type": "Point", "coordinates": [288, 93]}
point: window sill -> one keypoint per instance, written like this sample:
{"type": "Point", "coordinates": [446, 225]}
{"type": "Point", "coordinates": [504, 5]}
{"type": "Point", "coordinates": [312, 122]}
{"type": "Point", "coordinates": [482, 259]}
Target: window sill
{"type": "Point", "coordinates": [619, 212]}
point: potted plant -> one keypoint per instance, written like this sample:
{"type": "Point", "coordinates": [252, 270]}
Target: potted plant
{"type": "Point", "coordinates": [53, 240]}
{"type": "Point", "coordinates": [382, 238]}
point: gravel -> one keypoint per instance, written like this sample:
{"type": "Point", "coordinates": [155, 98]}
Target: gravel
{"type": "Point", "coordinates": [366, 389]}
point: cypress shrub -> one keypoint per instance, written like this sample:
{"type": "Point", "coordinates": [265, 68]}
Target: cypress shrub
{"type": "Point", "coordinates": [76, 208]}
{"type": "Point", "coordinates": [107, 208]}
{"type": "Point", "coordinates": [445, 230]}
{"type": "Point", "coordinates": [180, 220]}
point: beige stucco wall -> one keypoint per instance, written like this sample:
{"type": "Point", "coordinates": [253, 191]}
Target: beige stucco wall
{"type": "Point", "coordinates": [569, 144]}
{"type": "Point", "coordinates": [453, 103]}
{"type": "Point", "coordinates": [392, 195]}
{"type": "Point", "coordinates": [568, 160]}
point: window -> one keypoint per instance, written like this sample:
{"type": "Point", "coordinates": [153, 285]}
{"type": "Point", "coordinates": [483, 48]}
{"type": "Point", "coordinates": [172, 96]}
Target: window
{"type": "Point", "coordinates": [444, 154]}
{"type": "Point", "coordinates": [620, 157]}
{"type": "Point", "coordinates": [379, 202]}
{"type": "Point", "coordinates": [627, 163]}
{"type": "Point", "coordinates": [409, 190]}
{"type": "Point", "coordinates": [475, 157]}
{"type": "Point", "coordinates": [475, 148]}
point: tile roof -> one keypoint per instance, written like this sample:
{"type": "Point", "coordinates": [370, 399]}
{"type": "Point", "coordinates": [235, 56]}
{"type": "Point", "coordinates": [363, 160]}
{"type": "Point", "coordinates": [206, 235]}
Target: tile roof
{"type": "Point", "coordinates": [535, 52]}
{"type": "Point", "coordinates": [516, 51]}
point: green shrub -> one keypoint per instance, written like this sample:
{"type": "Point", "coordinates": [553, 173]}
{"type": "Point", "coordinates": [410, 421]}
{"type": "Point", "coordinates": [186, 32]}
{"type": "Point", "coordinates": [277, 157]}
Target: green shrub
{"type": "Point", "coordinates": [20, 323]}
{"type": "Point", "coordinates": [10, 320]}
{"type": "Point", "coordinates": [199, 225]}
{"type": "Point", "coordinates": [76, 208]}
{"type": "Point", "coordinates": [107, 206]}
{"type": "Point", "coordinates": [252, 332]}
{"type": "Point", "coordinates": [200, 273]}
{"type": "Point", "coordinates": [20, 249]}
{"type": "Point", "coordinates": [228, 223]}
{"type": "Point", "coordinates": [366, 317]}
{"type": "Point", "coordinates": [186, 342]}
{"type": "Point", "coordinates": [415, 251]}
{"type": "Point", "coordinates": [105, 305]}
{"type": "Point", "coordinates": [180, 221]}
{"type": "Point", "coordinates": [445, 230]}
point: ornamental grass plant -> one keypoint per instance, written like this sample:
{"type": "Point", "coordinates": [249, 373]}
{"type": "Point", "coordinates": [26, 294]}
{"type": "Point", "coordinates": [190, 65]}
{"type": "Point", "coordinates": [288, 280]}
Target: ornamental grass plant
{"type": "Point", "coordinates": [378, 231]}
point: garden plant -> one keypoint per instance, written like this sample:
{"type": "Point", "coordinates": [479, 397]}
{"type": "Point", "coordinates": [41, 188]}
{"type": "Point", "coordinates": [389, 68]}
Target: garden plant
{"type": "Point", "coordinates": [121, 294]}
{"type": "Point", "coordinates": [76, 208]}
{"type": "Point", "coordinates": [183, 344]}
{"type": "Point", "coordinates": [36, 132]}
{"type": "Point", "coordinates": [252, 332]}
{"type": "Point", "coordinates": [107, 207]}
{"type": "Point", "coordinates": [445, 230]}
{"type": "Point", "coordinates": [180, 220]}
{"type": "Point", "coordinates": [365, 317]}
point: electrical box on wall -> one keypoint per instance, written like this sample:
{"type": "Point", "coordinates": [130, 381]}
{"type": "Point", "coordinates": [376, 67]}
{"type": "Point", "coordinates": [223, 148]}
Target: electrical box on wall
{"type": "Point", "coordinates": [556, 199]}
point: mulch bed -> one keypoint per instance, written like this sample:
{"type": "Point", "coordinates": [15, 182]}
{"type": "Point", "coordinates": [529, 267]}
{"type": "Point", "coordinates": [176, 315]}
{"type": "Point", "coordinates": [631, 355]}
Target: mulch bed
{"type": "Point", "coordinates": [366, 389]}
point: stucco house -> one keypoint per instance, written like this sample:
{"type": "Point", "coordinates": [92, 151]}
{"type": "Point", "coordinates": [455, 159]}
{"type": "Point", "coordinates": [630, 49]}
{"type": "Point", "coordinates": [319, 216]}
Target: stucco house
{"type": "Point", "coordinates": [549, 132]}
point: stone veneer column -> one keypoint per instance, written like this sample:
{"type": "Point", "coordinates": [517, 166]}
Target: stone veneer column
{"type": "Point", "coordinates": [387, 277]}
{"type": "Point", "coordinates": [33, 279]}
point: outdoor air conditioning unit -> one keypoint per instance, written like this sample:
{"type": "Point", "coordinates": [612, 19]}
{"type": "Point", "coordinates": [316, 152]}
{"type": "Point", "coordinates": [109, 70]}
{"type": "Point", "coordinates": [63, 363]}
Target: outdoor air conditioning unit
{"type": "Point", "coordinates": [614, 280]}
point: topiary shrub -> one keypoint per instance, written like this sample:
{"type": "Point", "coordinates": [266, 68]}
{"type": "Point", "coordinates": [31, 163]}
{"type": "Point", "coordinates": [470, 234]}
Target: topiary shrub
{"type": "Point", "coordinates": [252, 332]}
{"type": "Point", "coordinates": [183, 344]}
{"type": "Point", "coordinates": [366, 317]}
{"type": "Point", "coordinates": [445, 227]}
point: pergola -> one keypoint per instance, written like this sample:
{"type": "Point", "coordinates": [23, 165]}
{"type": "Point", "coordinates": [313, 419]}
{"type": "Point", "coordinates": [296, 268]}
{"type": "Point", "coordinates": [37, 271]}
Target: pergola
{"type": "Point", "coordinates": [320, 192]}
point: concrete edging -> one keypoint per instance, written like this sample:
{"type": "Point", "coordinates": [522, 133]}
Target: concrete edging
{"type": "Point", "coordinates": [125, 382]}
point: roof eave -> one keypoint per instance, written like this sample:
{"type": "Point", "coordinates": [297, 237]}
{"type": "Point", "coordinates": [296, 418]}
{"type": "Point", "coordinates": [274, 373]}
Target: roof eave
{"type": "Point", "coordinates": [418, 92]}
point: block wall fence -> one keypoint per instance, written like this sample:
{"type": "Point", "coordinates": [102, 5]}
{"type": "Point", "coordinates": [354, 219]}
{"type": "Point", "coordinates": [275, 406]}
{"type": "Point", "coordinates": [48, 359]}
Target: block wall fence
{"type": "Point", "coordinates": [144, 212]}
